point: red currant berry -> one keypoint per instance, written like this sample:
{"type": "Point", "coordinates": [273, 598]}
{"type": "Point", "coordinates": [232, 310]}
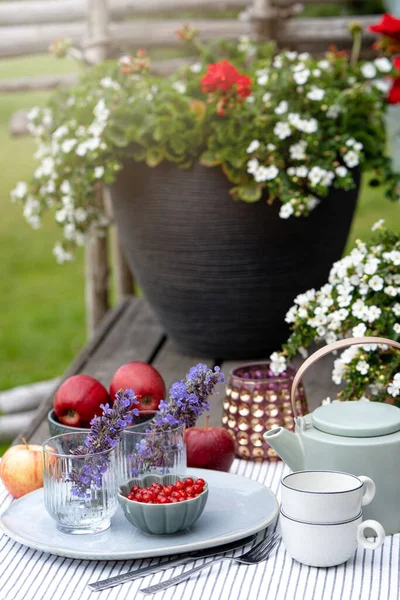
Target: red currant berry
{"type": "Point", "coordinates": [189, 497]}
{"type": "Point", "coordinates": [197, 489]}
{"type": "Point", "coordinates": [188, 482]}
{"type": "Point", "coordinates": [179, 485]}
{"type": "Point", "coordinates": [181, 499]}
{"type": "Point", "coordinates": [189, 490]}
{"type": "Point", "coordinates": [200, 481]}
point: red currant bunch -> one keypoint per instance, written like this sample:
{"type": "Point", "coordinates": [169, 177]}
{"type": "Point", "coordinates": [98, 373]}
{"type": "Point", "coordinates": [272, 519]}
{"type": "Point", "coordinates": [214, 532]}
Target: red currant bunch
{"type": "Point", "coordinates": [167, 494]}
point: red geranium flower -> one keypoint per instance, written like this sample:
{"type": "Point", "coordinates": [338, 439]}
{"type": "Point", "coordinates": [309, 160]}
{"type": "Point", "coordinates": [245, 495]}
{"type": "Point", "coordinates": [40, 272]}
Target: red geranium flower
{"type": "Point", "coordinates": [243, 86]}
{"type": "Point", "coordinates": [220, 76]}
{"type": "Point", "coordinates": [394, 93]}
{"type": "Point", "coordinates": [388, 25]}
{"type": "Point", "coordinates": [223, 76]}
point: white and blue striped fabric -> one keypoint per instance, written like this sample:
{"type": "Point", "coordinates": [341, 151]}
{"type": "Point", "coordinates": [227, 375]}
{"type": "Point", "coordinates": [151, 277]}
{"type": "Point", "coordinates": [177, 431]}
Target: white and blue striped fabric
{"type": "Point", "coordinates": [27, 574]}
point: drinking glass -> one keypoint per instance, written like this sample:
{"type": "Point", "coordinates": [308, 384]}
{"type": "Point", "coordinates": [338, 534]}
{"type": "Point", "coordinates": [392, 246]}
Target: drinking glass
{"type": "Point", "coordinates": [80, 491]}
{"type": "Point", "coordinates": [256, 400]}
{"type": "Point", "coordinates": [151, 452]}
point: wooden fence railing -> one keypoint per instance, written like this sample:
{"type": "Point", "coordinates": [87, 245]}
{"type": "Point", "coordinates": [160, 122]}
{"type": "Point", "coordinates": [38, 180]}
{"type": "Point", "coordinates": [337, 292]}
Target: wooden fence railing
{"type": "Point", "coordinates": [31, 28]}
{"type": "Point", "coordinates": [102, 28]}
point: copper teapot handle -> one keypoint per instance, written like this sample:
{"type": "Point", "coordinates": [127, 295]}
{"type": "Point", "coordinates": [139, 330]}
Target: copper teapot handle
{"type": "Point", "coordinates": [327, 350]}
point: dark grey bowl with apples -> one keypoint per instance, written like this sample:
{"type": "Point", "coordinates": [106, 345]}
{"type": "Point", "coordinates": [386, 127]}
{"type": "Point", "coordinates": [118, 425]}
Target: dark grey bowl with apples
{"type": "Point", "coordinates": [57, 428]}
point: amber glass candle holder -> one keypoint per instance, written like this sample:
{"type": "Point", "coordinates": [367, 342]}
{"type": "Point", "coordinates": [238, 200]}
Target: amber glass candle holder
{"type": "Point", "coordinates": [256, 400]}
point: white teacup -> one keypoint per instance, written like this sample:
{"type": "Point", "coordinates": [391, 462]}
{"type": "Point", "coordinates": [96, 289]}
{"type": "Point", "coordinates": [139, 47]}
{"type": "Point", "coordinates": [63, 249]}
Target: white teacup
{"type": "Point", "coordinates": [327, 544]}
{"type": "Point", "coordinates": [325, 496]}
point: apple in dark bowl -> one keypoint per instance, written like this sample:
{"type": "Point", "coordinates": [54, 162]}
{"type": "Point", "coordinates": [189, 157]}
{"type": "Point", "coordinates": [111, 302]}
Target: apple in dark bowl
{"type": "Point", "coordinates": [57, 428]}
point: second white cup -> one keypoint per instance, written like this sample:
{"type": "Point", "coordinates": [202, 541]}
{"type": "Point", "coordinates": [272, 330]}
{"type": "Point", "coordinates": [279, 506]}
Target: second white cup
{"type": "Point", "coordinates": [328, 544]}
{"type": "Point", "coordinates": [325, 496]}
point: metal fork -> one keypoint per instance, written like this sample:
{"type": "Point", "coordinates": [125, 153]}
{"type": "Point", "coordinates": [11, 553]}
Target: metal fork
{"type": "Point", "coordinates": [252, 557]}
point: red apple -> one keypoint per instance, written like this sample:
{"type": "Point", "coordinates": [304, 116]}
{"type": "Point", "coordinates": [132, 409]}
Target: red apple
{"type": "Point", "coordinates": [144, 380]}
{"type": "Point", "coordinates": [78, 400]}
{"type": "Point", "coordinates": [21, 469]}
{"type": "Point", "coordinates": [209, 448]}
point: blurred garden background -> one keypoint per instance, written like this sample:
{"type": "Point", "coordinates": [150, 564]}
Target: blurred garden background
{"type": "Point", "coordinates": [41, 303]}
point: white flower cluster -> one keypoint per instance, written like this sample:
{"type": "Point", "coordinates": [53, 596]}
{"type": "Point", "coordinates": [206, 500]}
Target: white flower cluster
{"type": "Point", "coordinates": [379, 65]}
{"type": "Point", "coordinates": [246, 44]}
{"type": "Point", "coordinates": [394, 387]}
{"type": "Point", "coordinates": [349, 306]}
{"type": "Point", "coordinates": [109, 83]}
{"type": "Point", "coordinates": [84, 141]}
{"type": "Point", "coordinates": [277, 363]}
{"type": "Point", "coordinates": [261, 172]}
{"type": "Point", "coordinates": [179, 86]}
{"type": "Point", "coordinates": [298, 123]}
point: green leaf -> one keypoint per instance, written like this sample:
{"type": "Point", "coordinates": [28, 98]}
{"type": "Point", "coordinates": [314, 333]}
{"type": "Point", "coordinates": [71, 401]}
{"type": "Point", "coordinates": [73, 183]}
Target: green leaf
{"type": "Point", "coordinates": [233, 174]}
{"type": "Point", "coordinates": [139, 153]}
{"type": "Point", "coordinates": [209, 159]}
{"type": "Point", "coordinates": [177, 145]}
{"type": "Point", "coordinates": [116, 136]}
{"type": "Point", "coordinates": [248, 193]}
{"type": "Point", "coordinates": [154, 157]}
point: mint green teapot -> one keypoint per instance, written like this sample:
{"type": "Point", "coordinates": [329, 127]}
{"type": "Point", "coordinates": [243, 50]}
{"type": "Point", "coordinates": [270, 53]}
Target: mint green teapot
{"type": "Point", "coordinates": [362, 438]}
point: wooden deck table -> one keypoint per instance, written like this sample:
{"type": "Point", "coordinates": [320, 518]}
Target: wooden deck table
{"type": "Point", "coordinates": [130, 332]}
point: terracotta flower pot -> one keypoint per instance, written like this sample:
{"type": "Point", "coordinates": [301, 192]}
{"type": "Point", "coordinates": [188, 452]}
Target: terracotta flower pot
{"type": "Point", "coordinates": [219, 274]}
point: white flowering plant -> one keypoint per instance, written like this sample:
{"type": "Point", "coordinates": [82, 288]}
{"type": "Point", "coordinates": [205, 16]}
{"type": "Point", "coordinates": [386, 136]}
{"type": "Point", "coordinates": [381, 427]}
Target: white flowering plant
{"type": "Point", "coordinates": [283, 127]}
{"type": "Point", "coordinates": [361, 298]}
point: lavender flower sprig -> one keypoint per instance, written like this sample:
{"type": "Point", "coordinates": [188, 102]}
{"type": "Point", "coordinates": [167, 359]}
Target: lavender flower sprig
{"type": "Point", "coordinates": [188, 399]}
{"type": "Point", "coordinates": [105, 433]}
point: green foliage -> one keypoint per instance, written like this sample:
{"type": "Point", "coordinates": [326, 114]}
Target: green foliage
{"type": "Point", "coordinates": [297, 126]}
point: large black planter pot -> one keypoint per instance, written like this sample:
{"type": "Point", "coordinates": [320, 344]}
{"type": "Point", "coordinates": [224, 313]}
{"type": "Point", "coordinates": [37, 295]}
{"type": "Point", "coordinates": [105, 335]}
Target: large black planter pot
{"type": "Point", "coordinates": [219, 274]}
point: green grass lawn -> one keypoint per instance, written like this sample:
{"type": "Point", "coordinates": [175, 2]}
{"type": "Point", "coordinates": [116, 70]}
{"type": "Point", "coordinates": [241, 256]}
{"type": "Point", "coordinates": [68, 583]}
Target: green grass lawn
{"type": "Point", "coordinates": [42, 322]}
{"type": "Point", "coordinates": [41, 304]}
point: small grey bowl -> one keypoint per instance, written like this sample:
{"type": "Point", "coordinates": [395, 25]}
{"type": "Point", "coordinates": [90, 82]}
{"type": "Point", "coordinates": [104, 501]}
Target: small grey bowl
{"type": "Point", "coordinates": [161, 519]}
{"type": "Point", "coordinates": [57, 428]}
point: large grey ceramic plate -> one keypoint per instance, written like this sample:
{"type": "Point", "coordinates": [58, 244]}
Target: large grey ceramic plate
{"type": "Point", "coordinates": [236, 507]}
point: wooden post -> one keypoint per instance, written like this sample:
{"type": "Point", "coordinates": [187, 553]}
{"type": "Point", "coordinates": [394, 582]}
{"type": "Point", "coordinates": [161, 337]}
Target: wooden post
{"type": "Point", "coordinates": [263, 16]}
{"type": "Point", "coordinates": [123, 278]}
{"type": "Point", "coordinates": [97, 24]}
{"type": "Point", "coordinates": [96, 272]}
{"type": "Point", "coordinates": [97, 268]}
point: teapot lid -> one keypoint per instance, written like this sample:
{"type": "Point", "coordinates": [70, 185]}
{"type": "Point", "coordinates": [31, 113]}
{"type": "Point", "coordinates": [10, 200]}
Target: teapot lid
{"type": "Point", "coordinates": [357, 419]}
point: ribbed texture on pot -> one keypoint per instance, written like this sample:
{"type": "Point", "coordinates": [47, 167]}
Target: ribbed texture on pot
{"type": "Point", "coordinates": [220, 275]}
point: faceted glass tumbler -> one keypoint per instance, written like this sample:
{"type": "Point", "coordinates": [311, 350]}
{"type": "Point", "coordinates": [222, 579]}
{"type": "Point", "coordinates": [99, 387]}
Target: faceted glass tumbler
{"type": "Point", "coordinates": [256, 400]}
{"type": "Point", "coordinates": [80, 491]}
{"type": "Point", "coordinates": [149, 452]}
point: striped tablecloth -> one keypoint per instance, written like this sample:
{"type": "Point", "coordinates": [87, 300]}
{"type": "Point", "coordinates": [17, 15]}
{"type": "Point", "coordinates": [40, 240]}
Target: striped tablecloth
{"type": "Point", "coordinates": [31, 575]}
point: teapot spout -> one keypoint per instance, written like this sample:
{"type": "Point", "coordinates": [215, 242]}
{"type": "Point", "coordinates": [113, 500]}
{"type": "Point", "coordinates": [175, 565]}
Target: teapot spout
{"type": "Point", "coordinates": [287, 445]}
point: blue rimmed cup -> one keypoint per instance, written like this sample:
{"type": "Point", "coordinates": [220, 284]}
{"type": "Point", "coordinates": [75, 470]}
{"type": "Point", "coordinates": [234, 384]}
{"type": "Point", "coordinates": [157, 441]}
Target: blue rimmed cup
{"type": "Point", "coordinates": [325, 496]}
